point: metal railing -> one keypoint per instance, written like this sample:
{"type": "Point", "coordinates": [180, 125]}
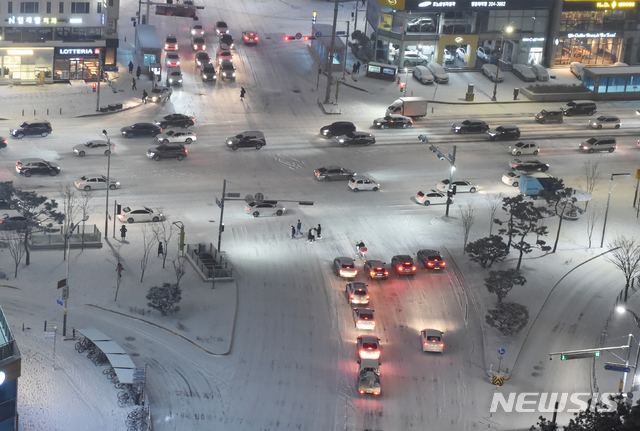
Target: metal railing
{"type": "Point", "coordinates": [8, 348]}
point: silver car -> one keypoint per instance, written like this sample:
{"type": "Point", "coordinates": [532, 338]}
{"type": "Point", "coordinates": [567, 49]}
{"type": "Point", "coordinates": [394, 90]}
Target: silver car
{"type": "Point", "coordinates": [605, 121]}
{"type": "Point", "coordinates": [93, 147]}
{"type": "Point", "coordinates": [177, 136]}
{"type": "Point", "coordinates": [524, 148]}
{"type": "Point", "coordinates": [264, 208]}
{"type": "Point", "coordinates": [96, 182]}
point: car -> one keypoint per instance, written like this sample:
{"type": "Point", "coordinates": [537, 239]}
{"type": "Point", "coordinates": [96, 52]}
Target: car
{"type": "Point", "coordinates": [431, 340]}
{"type": "Point", "coordinates": [167, 151]}
{"type": "Point", "coordinates": [7, 204]}
{"type": "Point", "coordinates": [35, 128]}
{"type": "Point", "coordinates": [470, 126]}
{"type": "Point", "coordinates": [368, 347]}
{"type": "Point", "coordinates": [208, 73]}
{"type": "Point", "coordinates": [160, 94]}
{"type": "Point", "coordinates": [492, 72]}
{"type": "Point", "coordinates": [376, 269]}
{"type": "Point", "coordinates": [447, 56]}
{"type": "Point", "coordinates": [173, 136]}
{"type": "Point", "coordinates": [221, 27]}
{"type": "Point", "coordinates": [174, 76]}
{"type": "Point", "coordinates": [227, 39]}
{"type": "Point", "coordinates": [529, 147]}
{"type": "Point", "coordinates": [345, 267]}
{"type": "Point", "coordinates": [332, 173]}
{"type": "Point", "coordinates": [431, 259]}
{"type": "Point", "coordinates": [198, 43]}
{"type": "Point", "coordinates": [433, 197]}
{"type": "Point", "coordinates": [603, 143]}
{"type": "Point", "coordinates": [524, 72]}
{"type": "Point", "coordinates": [528, 165]}
{"type": "Point", "coordinates": [580, 107]}
{"type": "Point", "coordinates": [28, 167]}
{"type": "Point", "coordinates": [176, 120]}
{"type": "Point", "coordinates": [96, 182]}
{"type": "Point", "coordinates": [224, 54]}
{"type": "Point", "coordinates": [605, 121]}
{"type": "Point", "coordinates": [403, 264]}
{"type": "Point", "coordinates": [172, 59]}
{"type": "Point", "coordinates": [421, 24]}
{"type": "Point", "coordinates": [141, 129]}
{"type": "Point", "coordinates": [484, 53]}
{"type": "Point", "coordinates": [338, 128]}
{"type": "Point", "coordinates": [171, 43]}
{"type": "Point", "coordinates": [139, 214]}
{"type": "Point", "coordinates": [93, 147]}
{"type": "Point", "coordinates": [265, 208]}
{"type": "Point", "coordinates": [3, 142]}
{"type": "Point", "coordinates": [414, 58]}
{"type": "Point", "coordinates": [503, 133]}
{"type": "Point", "coordinates": [369, 377]}
{"type": "Point", "coordinates": [461, 186]}
{"type": "Point", "coordinates": [358, 183]}
{"type": "Point", "coordinates": [550, 115]}
{"type": "Point", "coordinates": [461, 53]}
{"type": "Point", "coordinates": [393, 120]}
{"type": "Point", "coordinates": [423, 75]}
{"type": "Point", "coordinates": [439, 74]}
{"type": "Point", "coordinates": [202, 58]}
{"type": "Point", "coordinates": [250, 37]}
{"type": "Point", "coordinates": [197, 29]}
{"type": "Point", "coordinates": [253, 139]}
{"type": "Point", "coordinates": [356, 138]}
{"type": "Point", "coordinates": [227, 70]}
{"type": "Point", "coordinates": [511, 178]}
{"type": "Point", "coordinates": [363, 318]}
{"type": "Point", "coordinates": [577, 69]}
{"type": "Point", "coordinates": [357, 293]}
{"type": "Point", "coordinates": [542, 74]}
{"type": "Point", "coordinates": [13, 222]}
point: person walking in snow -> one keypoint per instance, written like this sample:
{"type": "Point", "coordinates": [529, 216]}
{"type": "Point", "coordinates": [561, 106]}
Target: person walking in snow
{"type": "Point", "coordinates": [138, 72]}
{"type": "Point", "coordinates": [319, 231]}
{"type": "Point", "coordinates": [160, 250]}
{"type": "Point", "coordinates": [310, 236]}
{"type": "Point", "coordinates": [130, 67]}
{"type": "Point", "coordinates": [242, 93]}
{"type": "Point", "coordinates": [299, 227]}
{"type": "Point", "coordinates": [133, 84]}
{"type": "Point", "coordinates": [293, 232]}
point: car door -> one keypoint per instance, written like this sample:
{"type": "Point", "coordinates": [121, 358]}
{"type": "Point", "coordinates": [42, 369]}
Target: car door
{"type": "Point", "coordinates": [140, 215]}
{"type": "Point", "coordinates": [100, 183]}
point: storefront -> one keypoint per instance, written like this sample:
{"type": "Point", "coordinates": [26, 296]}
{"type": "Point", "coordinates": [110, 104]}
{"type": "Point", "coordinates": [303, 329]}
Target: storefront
{"type": "Point", "coordinates": [25, 65]}
{"type": "Point", "coordinates": [76, 63]}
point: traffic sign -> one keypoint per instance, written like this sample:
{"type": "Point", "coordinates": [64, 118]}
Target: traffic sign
{"type": "Point", "coordinates": [62, 283]}
{"type": "Point", "coordinates": [59, 302]}
{"type": "Point", "coordinates": [298, 35]}
{"type": "Point", "coordinates": [318, 34]}
{"type": "Point", "coordinates": [621, 368]}
{"type": "Point", "coordinates": [501, 351]}
{"type": "Point", "coordinates": [340, 33]}
{"type": "Point", "coordinates": [218, 202]}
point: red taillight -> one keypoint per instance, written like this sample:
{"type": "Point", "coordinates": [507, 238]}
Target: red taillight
{"type": "Point", "coordinates": [256, 38]}
{"type": "Point", "coordinates": [351, 296]}
{"type": "Point", "coordinates": [372, 273]}
{"type": "Point", "coordinates": [399, 268]}
{"type": "Point", "coordinates": [246, 38]}
{"type": "Point", "coordinates": [186, 151]}
{"type": "Point", "coordinates": [443, 263]}
{"type": "Point", "coordinates": [367, 297]}
{"type": "Point", "coordinates": [413, 268]}
{"type": "Point", "coordinates": [430, 263]}
{"type": "Point", "coordinates": [361, 392]}
{"type": "Point", "coordinates": [386, 273]}
{"type": "Point", "coordinates": [286, 38]}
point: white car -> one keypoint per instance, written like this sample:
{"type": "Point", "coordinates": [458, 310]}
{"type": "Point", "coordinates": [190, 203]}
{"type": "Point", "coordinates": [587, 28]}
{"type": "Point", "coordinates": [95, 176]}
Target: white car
{"type": "Point", "coordinates": [357, 293]}
{"type": "Point", "coordinates": [511, 178]}
{"type": "Point", "coordinates": [368, 347]}
{"type": "Point", "coordinates": [523, 72]}
{"type": "Point", "coordinates": [448, 57]}
{"type": "Point", "coordinates": [461, 186]}
{"type": "Point", "coordinates": [605, 121]}
{"type": "Point", "coordinates": [461, 53]}
{"type": "Point", "coordinates": [95, 182]}
{"type": "Point", "coordinates": [414, 58]}
{"type": "Point", "coordinates": [139, 213]}
{"type": "Point", "coordinates": [93, 147]}
{"type": "Point", "coordinates": [433, 197]}
{"type": "Point", "coordinates": [197, 30]}
{"type": "Point", "coordinates": [174, 76]}
{"type": "Point", "coordinates": [265, 208]}
{"type": "Point", "coordinates": [484, 53]}
{"type": "Point", "coordinates": [363, 318]}
{"type": "Point", "coordinates": [172, 59]}
{"type": "Point", "coordinates": [431, 340]}
{"type": "Point", "coordinates": [524, 148]}
{"type": "Point", "coordinates": [359, 183]}
{"type": "Point", "coordinates": [541, 73]}
{"type": "Point", "coordinates": [177, 136]}
{"type": "Point", "coordinates": [491, 72]}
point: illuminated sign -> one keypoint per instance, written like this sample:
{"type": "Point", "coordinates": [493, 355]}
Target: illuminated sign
{"type": "Point", "coordinates": [614, 4]}
{"type": "Point", "coordinates": [533, 39]}
{"type": "Point", "coordinates": [78, 51]}
{"type": "Point", "coordinates": [585, 35]}
{"type": "Point", "coordinates": [488, 4]}
{"type": "Point", "coordinates": [459, 39]}
{"type": "Point", "coordinates": [75, 21]}
{"type": "Point", "coordinates": [37, 20]}
{"type": "Point", "coordinates": [20, 51]}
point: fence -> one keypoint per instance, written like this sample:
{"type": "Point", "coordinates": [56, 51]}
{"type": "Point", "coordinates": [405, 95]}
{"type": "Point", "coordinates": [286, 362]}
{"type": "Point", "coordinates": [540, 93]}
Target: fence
{"type": "Point", "coordinates": [7, 349]}
{"type": "Point", "coordinates": [47, 241]}
{"type": "Point", "coordinates": [209, 263]}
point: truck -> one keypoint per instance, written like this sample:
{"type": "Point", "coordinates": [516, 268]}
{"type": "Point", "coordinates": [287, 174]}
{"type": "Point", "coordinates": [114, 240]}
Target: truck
{"type": "Point", "coordinates": [533, 183]}
{"type": "Point", "coordinates": [409, 107]}
{"type": "Point", "coordinates": [369, 377]}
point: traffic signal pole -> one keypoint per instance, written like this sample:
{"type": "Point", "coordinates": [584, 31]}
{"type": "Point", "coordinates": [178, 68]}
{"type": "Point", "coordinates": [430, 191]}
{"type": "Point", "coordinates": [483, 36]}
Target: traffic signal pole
{"type": "Point", "coordinates": [332, 47]}
{"type": "Point", "coordinates": [452, 161]}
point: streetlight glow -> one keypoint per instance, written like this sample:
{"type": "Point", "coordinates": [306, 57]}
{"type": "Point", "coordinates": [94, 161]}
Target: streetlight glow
{"type": "Point", "coordinates": [508, 29]}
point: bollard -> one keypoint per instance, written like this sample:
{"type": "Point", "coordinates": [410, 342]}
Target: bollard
{"type": "Point", "coordinates": [432, 109]}
{"type": "Point", "coordinates": [23, 112]}
{"type": "Point", "coordinates": [60, 111]}
{"type": "Point", "coordinates": [34, 112]}
{"type": "Point", "coordinates": [47, 111]}
{"type": "Point", "coordinates": [516, 91]}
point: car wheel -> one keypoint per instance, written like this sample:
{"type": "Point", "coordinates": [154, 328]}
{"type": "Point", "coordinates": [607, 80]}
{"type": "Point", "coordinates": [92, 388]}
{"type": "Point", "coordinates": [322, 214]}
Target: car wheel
{"type": "Point", "coordinates": [375, 189]}
{"type": "Point", "coordinates": [617, 126]}
{"type": "Point", "coordinates": [591, 150]}
{"type": "Point", "coordinates": [53, 173]}
{"type": "Point", "coordinates": [545, 169]}
{"type": "Point", "coordinates": [188, 141]}
{"type": "Point", "coordinates": [106, 153]}
{"type": "Point", "coordinates": [472, 190]}
{"type": "Point", "coordinates": [535, 153]}
{"type": "Point", "coordinates": [405, 125]}
{"type": "Point", "coordinates": [156, 157]}
{"type": "Point", "coordinates": [544, 121]}
{"type": "Point", "coordinates": [515, 184]}
{"type": "Point", "coordinates": [258, 146]}
{"type": "Point", "coordinates": [81, 153]}
{"type": "Point", "coordinates": [424, 62]}
{"type": "Point", "coordinates": [180, 157]}
{"type": "Point", "coordinates": [346, 144]}
{"type": "Point", "coordinates": [368, 143]}
{"type": "Point", "coordinates": [87, 188]}
{"type": "Point", "coordinates": [493, 138]}
{"type": "Point", "coordinates": [599, 126]}
{"type": "Point", "coordinates": [184, 126]}
{"type": "Point", "coordinates": [518, 153]}
{"type": "Point", "coordinates": [568, 114]}
{"type": "Point", "coordinates": [591, 113]}
{"type": "Point", "coordinates": [112, 187]}
{"type": "Point", "coordinates": [611, 150]}
{"type": "Point", "coordinates": [20, 135]}
{"type": "Point", "coordinates": [256, 214]}
{"type": "Point", "coordinates": [427, 203]}
{"type": "Point", "coordinates": [130, 220]}
{"type": "Point", "coordinates": [356, 189]}
{"type": "Point", "coordinates": [279, 213]}
{"type": "Point", "coordinates": [44, 134]}
{"type": "Point", "coordinates": [234, 147]}
{"type": "Point", "coordinates": [463, 131]}
{"type": "Point", "coordinates": [384, 126]}
{"type": "Point", "coordinates": [156, 219]}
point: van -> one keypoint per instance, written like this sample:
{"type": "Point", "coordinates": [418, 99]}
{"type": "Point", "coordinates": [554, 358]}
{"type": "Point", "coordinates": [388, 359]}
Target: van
{"type": "Point", "coordinates": [607, 143]}
{"type": "Point", "coordinates": [550, 116]}
{"type": "Point", "coordinates": [422, 74]}
{"type": "Point", "coordinates": [577, 69]}
{"type": "Point", "coordinates": [439, 74]}
{"type": "Point", "coordinates": [580, 107]}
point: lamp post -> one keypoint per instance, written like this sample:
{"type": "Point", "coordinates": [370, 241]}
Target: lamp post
{"type": "Point", "coordinates": [606, 213]}
{"type": "Point", "coordinates": [406, 77]}
{"type": "Point", "coordinates": [106, 215]}
{"type": "Point", "coordinates": [181, 238]}
{"type": "Point", "coordinates": [507, 30]}
{"type": "Point", "coordinates": [622, 309]}
{"type": "Point", "coordinates": [66, 288]}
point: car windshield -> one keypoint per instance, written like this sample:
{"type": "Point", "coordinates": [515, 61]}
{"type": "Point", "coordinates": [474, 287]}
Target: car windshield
{"type": "Point", "coordinates": [347, 265]}
{"type": "Point", "coordinates": [23, 124]}
{"type": "Point", "coordinates": [369, 346]}
{"type": "Point", "coordinates": [171, 40]}
{"type": "Point", "coordinates": [222, 24]}
{"type": "Point", "coordinates": [433, 339]}
{"type": "Point", "coordinates": [602, 118]}
{"type": "Point", "coordinates": [592, 141]}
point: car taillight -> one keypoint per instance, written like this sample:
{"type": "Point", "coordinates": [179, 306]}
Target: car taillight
{"type": "Point", "coordinates": [441, 344]}
{"type": "Point", "coordinates": [256, 38]}
{"type": "Point", "coordinates": [361, 392]}
{"type": "Point", "coordinates": [372, 273]}
{"type": "Point", "coordinates": [386, 273]}
{"type": "Point", "coordinates": [399, 268]}
{"type": "Point", "coordinates": [430, 263]}
{"type": "Point", "coordinates": [443, 264]}
{"type": "Point", "coordinates": [413, 268]}
{"type": "Point", "coordinates": [351, 296]}
{"type": "Point", "coordinates": [425, 343]}
{"type": "Point", "coordinates": [367, 296]}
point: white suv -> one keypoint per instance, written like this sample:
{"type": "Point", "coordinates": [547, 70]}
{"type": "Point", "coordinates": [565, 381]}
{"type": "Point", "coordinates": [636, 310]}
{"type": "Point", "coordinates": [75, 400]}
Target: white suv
{"type": "Point", "coordinates": [414, 58]}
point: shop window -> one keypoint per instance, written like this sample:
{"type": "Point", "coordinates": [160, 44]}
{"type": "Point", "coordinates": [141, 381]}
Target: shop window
{"type": "Point", "coordinates": [61, 7]}
{"type": "Point", "coordinates": [99, 7]}
{"type": "Point", "coordinates": [48, 7]}
{"type": "Point", "coordinates": [10, 7]}
{"type": "Point", "coordinates": [617, 84]}
{"type": "Point", "coordinates": [633, 84]}
{"type": "Point", "coordinates": [79, 7]}
{"type": "Point", "coordinates": [602, 87]}
{"type": "Point", "coordinates": [29, 7]}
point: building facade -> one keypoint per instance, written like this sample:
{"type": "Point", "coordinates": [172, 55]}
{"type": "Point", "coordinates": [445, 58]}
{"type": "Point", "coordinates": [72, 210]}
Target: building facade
{"type": "Point", "coordinates": [10, 369]}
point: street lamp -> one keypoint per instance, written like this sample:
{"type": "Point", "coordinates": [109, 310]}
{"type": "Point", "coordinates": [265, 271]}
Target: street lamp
{"type": "Point", "coordinates": [507, 30]}
{"type": "Point", "coordinates": [606, 213]}
{"type": "Point", "coordinates": [406, 77]}
{"type": "Point", "coordinates": [621, 309]}
{"type": "Point", "coordinates": [66, 288]}
{"type": "Point", "coordinates": [106, 215]}
{"type": "Point", "coordinates": [181, 239]}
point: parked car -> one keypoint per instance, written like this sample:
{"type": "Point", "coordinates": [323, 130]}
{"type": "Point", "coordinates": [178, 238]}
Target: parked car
{"type": "Point", "coordinates": [93, 147]}
{"type": "Point", "coordinates": [141, 129]}
{"type": "Point", "coordinates": [264, 208]}
{"type": "Point", "coordinates": [356, 138]}
{"type": "Point", "coordinates": [376, 269]}
{"type": "Point", "coordinates": [423, 75]}
{"type": "Point", "coordinates": [393, 120]}
{"type": "Point", "coordinates": [491, 71]}
{"type": "Point", "coordinates": [252, 139]}
{"type": "Point", "coordinates": [542, 74]}
{"type": "Point", "coordinates": [332, 173]}
{"type": "Point", "coordinates": [403, 264]}
{"type": "Point", "coordinates": [167, 151]}
{"type": "Point", "coordinates": [338, 128]}
{"type": "Point", "coordinates": [250, 37]}
{"type": "Point", "coordinates": [414, 58]}
{"type": "Point", "coordinates": [96, 182]}
{"type": "Point", "coordinates": [470, 126]}
{"type": "Point", "coordinates": [431, 259]}
{"type": "Point", "coordinates": [35, 128]}
{"type": "Point", "coordinates": [577, 69]}
{"type": "Point", "coordinates": [28, 167]}
{"type": "Point", "coordinates": [175, 120]}
{"type": "Point", "coordinates": [484, 53]}
{"type": "Point", "coordinates": [432, 340]}
{"type": "Point", "coordinates": [462, 186]}
{"type": "Point", "coordinates": [461, 53]}
{"type": "Point", "coordinates": [177, 136]}
{"type": "Point", "coordinates": [447, 56]}
{"type": "Point", "coordinates": [432, 197]}
{"type": "Point", "coordinates": [502, 133]}
{"type": "Point", "coordinates": [345, 267]}
{"type": "Point", "coordinates": [605, 121]}
{"type": "Point", "coordinates": [529, 147]}
{"type": "Point", "coordinates": [174, 76]}
{"type": "Point", "coordinates": [439, 74]}
{"type": "Point", "coordinates": [139, 214]}
{"type": "Point", "coordinates": [359, 182]}
{"type": "Point", "coordinates": [523, 72]}
{"type": "Point", "coordinates": [421, 25]}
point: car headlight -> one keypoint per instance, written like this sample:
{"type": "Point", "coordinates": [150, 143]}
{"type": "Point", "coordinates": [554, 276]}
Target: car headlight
{"type": "Point", "coordinates": [234, 74]}
{"type": "Point", "coordinates": [224, 73]}
{"type": "Point", "coordinates": [341, 141]}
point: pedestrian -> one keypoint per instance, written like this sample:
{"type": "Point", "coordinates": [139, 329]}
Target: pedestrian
{"type": "Point", "coordinates": [318, 231]}
{"type": "Point", "coordinates": [123, 232]}
{"type": "Point", "coordinates": [310, 236]}
{"type": "Point", "coordinates": [160, 250]}
{"type": "Point", "coordinates": [299, 227]}
{"type": "Point", "coordinates": [242, 93]}
{"type": "Point", "coordinates": [130, 67]}
{"type": "Point", "coordinates": [293, 232]}
{"type": "Point", "coordinates": [144, 96]}
{"type": "Point", "coordinates": [354, 69]}
{"type": "Point", "coordinates": [358, 66]}
{"type": "Point", "coordinates": [133, 84]}
{"type": "Point", "coordinates": [363, 3]}
{"type": "Point", "coordinates": [138, 72]}
{"type": "Point", "coordinates": [119, 269]}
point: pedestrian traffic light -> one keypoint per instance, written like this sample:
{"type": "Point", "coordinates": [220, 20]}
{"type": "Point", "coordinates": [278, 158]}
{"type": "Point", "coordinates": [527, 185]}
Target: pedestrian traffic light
{"type": "Point", "coordinates": [402, 84]}
{"type": "Point", "coordinates": [454, 189]}
{"type": "Point", "coordinates": [94, 87]}
{"type": "Point", "coordinates": [118, 209]}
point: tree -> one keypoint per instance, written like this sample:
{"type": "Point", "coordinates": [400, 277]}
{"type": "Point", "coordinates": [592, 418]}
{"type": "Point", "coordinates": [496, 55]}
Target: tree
{"type": "Point", "coordinates": [115, 251]}
{"type": "Point", "coordinates": [487, 251]}
{"type": "Point", "coordinates": [545, 425]}
{"type": "Point", "coordinates": [13, 241]}
{"type": "Point", "coordinates": [178, 267]}
{"type": "Point", "coordinates": [84, 200]}
{"type": "Point", "coordinates": [164, 298]}
{"type": "Point", "coordinates": [148, 241]}
{"type": "Point", "coordinates": [591, 178]}
{"type": "Point", "coordinates": [163, 232]}
{"type": "Point", "coordinates": [625, 255]}
{"type": "Point", "coordinates": [508, 317]}
{"type": "Point", "coordinates": [502, 281]}
{"type": "Point", "coordinates": [71, 207]}
{"type": "Point", "coordinates": [468, 217]}
{"type": "Point", "coordinates": [494, 204]}
{"type": "Point", "coordinates": [600, 418]}
{"type": "Point", "coordinates": [560, 201]}
{"type": "Point", "coordinates": [593, 214]}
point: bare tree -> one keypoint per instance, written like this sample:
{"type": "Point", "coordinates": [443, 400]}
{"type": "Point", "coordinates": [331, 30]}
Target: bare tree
{"type": "Point", "coordinates": [148, 241]}
{"type": "Point", "coordinates": [15, 244]}
{"type": "Point", "coordinates": [71, 209]}
{"type": "Point", "coordinates": [495, 202]}
{"type": "Point", "coordinates": [591, 178]}
{"type": "Point", "coordinates": [625, 255]}
{"type": "Point", "coordinates": [163, 232]}
{"type": "Point", "coordinates": [468, 217]}
{"type": "Point", "coordinates": [178, 267]}
{"type": "Point", "coordinates": [593, 213]}
{"type": "Point", "coordinates": [85, 210]}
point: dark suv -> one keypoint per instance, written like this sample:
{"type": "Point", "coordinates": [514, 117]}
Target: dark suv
{"type": "Point", "coordinates": [501, 133]}
{"type": "Point", "coordinates": [164, 151]}
{"type": "Point", "coordinates": [580, 107]}
{"type": "Point", "coordinates": [403, 265]}
{"type": "Point", "coordinates": [550, 116]}
{"type": "Point", "coordinates": [208, 72]}
{"type": "Point", "coordinates": [247, 139]}
{"type": "Point", "coordinates": [176, 120]}
{"type": "Point", "coordinates": [338, 128]}
{"type": "Point", "coordinates": [40, 128]}
{"type": "Point", "coordinates": [141, 129]}
{"type": "Point", "coordinates": [28, 167]}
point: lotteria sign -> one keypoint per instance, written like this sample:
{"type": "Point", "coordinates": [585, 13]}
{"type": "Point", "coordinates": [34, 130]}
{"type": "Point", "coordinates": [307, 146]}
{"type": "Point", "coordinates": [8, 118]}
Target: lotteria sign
{"type": "Point", "coordinates": [77, 52]}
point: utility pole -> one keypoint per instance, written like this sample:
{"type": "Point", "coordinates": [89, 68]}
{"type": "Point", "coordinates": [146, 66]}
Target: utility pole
{"type": "Point", "coordinates": [106, 216]}
{"type": "Point", "coordinates": [346, 47]}
{"type": "Point", "coordinates": [332, 48]}
{"type": "Point", "coordinates": [224, 189]}
{"type": "Point", "coordinates": [99, 79]}
{"type": "Point", "coordinates": [452, 161]}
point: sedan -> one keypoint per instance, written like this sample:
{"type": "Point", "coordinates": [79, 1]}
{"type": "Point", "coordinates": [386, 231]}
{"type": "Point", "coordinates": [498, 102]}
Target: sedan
{"type": "Point", "coordinates": [227, 39]}
{"type": "Point", "coordinates": [265, 208]}
{"type": "Point", "coordinates": [368, 347]}
{"type": "Point", "coordinates": [528, 165]}
{"type": "Point", "coordinates": [250, 37]}
{"type": "Point", "coordinates": [523, 72]}
{"type": "Point", "coordinates": [363, 318]}
{"type": "Point", "coordinates": [356, 138]}
{"type": "Point", "coordinates": [511, 178]}
{"type": "Point", "coordinates": [503, 133]}
{"type": "Point", "coordinates": [198, 43]}
{"type": "Point", "coordinates": [138, 214]}
{"type": "Point", "coordinates": [141, 129]}
{"type": "Point", "coordinates": [13, 222]}
{"type": "Point", "coordinates": [470, 126]}
{"type": "Point", "coordinates": [357, 293]}
{"type": "Point", "coordinates": [403, 265]}
{"type": "Point", "coordinates": [491, 71]}
{"type": "Point", "coordinates": [332, 173]}
{"type": "Point", "coordinates": [433, 197]}
{"type": "Point", "coordinates": [221, 27]}
{"type": "Point", "coordinates": [177, 136]}
{"type": "Point", "coordinates": [202, 58]}
{"type": "Point", "coordinates": [197, 29]}
{"type": "Point", "coordinates": [160, 94]}
{"type": "Point", "coordinates": [393, 120]}
{"type": "Point", "coordinates": [174, 76]}
{"type": "Point", "coordinates": [172, 59]}
{"type": "Point", "coordinates": [484, 53]}
{"type": "Point", "coordinates": [447, 56]}
{"type": "Point", "coordinates": [431, 259]}
{"type": "Point", "coordinates": [93, 147]}
{"type": "Point", "coordinates": [345, 267]}
{"type": "Point", "coordinates": [461, 53]}
{"type": "Point", "coordinates": [431, 340]}
{"type": "Point", "coordinates": [461, 186]}
{"type": "Point", "coordinates": [176, 120]}
{"type": "Point", "coordinates": [605, 121]}
{"type": "Point", "coordinates": [358, 183]}
{"type": "Point", "coordinates": [376, 269]}
{"type": "Point", "coordinates": [541, 73]}
{"type": "Point", "coordinates": [524, 148]}
{"type": "Point", "coordinates": [96, 182]}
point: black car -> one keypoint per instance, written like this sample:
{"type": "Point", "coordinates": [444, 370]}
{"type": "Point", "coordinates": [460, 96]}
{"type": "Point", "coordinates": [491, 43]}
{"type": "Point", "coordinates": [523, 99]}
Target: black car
{"type": "Point", "coordinates": [165, 151]}
{"type": "Point", "coordinates": [227, 40]}
{"type": "Point", "coordinates": [208, 73]}
{"type": "Point", "coordinates": [331, 173]}
{"type": "Point", "coordinates": [6, 205]}
{"type": "Point", "coordinates": [16, 222]}
{"type": "Point", "coordinates": [39, 128]}
{"type": "Point", "coordinates": [141, 129]}
{"type": "Point", "coordinates": [528, 165]}
{"type": "Point", "coordinates": [176, 120]}
{"type": "Point", "coordinates": [431, 259]}
{"type": "Point", "coordinates": [393, 120]}
{"type": "Point", "coordinates": [28, 167]}
{"type": "Point", "coordinates": [403, 265]}
{"type": "Point", "coordinates": [3, 142]}
{"type": "Point", "coordinates": [376, 269]}
{"type": "Point", "coordinates": [338, 128]}
{"type": "Point", "coordinates": [247, 139]}
{"type": "Point", "coordinates": [470, 126]}
{"type": "Point", "coordinates": [502, 133]}
{"type": "Point", "coordinates": [356, 138]}
{"type": "Point", "coordinates": [202, 58]}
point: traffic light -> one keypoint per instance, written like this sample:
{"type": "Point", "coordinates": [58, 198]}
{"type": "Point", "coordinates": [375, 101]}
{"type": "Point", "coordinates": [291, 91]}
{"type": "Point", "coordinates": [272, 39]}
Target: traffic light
{"type": "Point", "coordinates": [306, 38]}
{"type": "Point", "coordinates": [402, 85]}
{"type": "Point", "coordinates": [440, 155]}
{"type": "Point", "coordinates": [288, 38]}
{"type": "Point", "coordinates": [314, 17]}
{"type": "Point", "coordinates": [423, 138]}
{"type": "Point", "coordinates": [433, 148]}
{"type": "Point", "coordinates": [454, 189]}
